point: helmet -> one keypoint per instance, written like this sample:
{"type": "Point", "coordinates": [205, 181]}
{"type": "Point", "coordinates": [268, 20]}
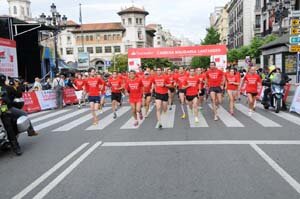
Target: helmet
{"type": "Point", "coordinates": [2, 78]}
{"type": "Point", "coordinates": [23, 124]}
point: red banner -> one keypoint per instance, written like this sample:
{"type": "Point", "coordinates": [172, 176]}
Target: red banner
{"type": "Point", "coordinates": [287, 89]}
{"type": "Point", "coordinates": [174, 52]}
{"type": "Point", "coordinates": [31, 103]}
{"type": "Point", "coordinates": [70, 96]}
{"type": "Point", "coordinates": [7, 42]}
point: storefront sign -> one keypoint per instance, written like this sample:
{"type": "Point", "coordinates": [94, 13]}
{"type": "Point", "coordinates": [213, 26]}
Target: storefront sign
{"type": "Point", "coordinates": [8, 58]}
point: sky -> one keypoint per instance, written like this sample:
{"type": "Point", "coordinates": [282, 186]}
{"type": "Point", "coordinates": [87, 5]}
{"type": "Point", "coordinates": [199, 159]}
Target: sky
{"type": "Point", "coordinates": [184, 18]}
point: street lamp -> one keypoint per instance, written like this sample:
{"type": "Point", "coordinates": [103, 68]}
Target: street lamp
{"type": "Point", "coordinates": [280, 8]}
{"type": "Point", "coordinates": [56, 21]}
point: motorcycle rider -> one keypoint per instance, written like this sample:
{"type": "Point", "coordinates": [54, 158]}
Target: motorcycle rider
{"type": "Point", "coordinates": [273, 71]}
{"type": "Point", "coordinates": [7, 116]}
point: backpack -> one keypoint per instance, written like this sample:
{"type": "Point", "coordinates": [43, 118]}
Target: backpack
{"type": "Point", "coordinates": [58, 87]}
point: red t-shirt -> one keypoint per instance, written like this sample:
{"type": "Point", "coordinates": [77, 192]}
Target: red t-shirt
{"type": "Point", "coordinates": [92, 86]}
{"type": "Point", "coordinates": [252, 83]}
{"type": "Point", "coordinates": [202, 78]}
{"type": "Point", "coordinates": [214, 77]}
{"type": "Point", "coordinates": [180, 80]}
{"type": "Point", "coordinates": [160, 84]}
{"type": "Point", "coordinates": [193, 83]}
{"type": "Point", "coordinates": [171, 79]}
{"type": "Point", "coordinates": [79, 83]}
{"type": "Point", "coordinates": [135, 88]}
{"type": "Point", "coordinates": [115, 84]}
{"type": "Point", "coordinates": [147, 84]}
{"type": "Point", "coordinates": [232, 78]}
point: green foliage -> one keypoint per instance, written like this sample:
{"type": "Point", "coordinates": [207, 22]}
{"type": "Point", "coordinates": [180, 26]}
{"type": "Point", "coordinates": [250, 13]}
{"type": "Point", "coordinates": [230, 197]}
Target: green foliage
{"type": "Point", "coordinates": [121, 63]}
{"type": "Point", "coordinates": [212, 37]}
{"type": "Point", "coordinates": [200, 62]}
{"type": "Point", "coordinates": [153, 63]}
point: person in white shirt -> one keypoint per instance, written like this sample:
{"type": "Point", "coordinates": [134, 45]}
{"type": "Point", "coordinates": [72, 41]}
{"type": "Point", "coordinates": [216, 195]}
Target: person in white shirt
{"type": "Point", "coordinates": [37, 86]}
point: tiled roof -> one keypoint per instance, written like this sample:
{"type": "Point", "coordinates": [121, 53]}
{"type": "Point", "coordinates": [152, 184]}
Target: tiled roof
{"type": "Point", "coordinates": [71, 23]}
{"type": "Point", "coordinates": [99, 27]}
{"type": "Point", "coordinates": [151, 26]}
{"type": "Point", "coordinates": [133, 9]}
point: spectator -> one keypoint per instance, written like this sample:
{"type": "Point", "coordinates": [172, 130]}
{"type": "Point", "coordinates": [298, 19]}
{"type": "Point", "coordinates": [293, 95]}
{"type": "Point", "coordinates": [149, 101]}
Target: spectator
{"type": "Point", "coordinates": [37, 86]}
{"type": "Point", "coordinates": [58, 85]}
{"type": "Point", "coordinates": [47, 85]}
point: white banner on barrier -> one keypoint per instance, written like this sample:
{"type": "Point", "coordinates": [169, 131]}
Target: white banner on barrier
{"type": "Point", "coordinates": [47, 99]}
{"type": "Point", "coordinates": [295, 107]}
{"type": "Point", "coordinates": [79, 94]}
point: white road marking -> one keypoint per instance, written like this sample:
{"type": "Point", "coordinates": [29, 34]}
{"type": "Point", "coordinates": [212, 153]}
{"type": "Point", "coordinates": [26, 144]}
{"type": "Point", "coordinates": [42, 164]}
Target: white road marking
{"type": "Point", "coordinates": [286, 116]}
{"type": "Point", "coordinates": [168, 119]}
{"type": "Point", "coordinates": [206, 142]}
{"type": "Point", "coordinates": [79, 121]}
{"type": "Point", "coordinates": [262, 120]}
{"type": "Point", "coordinates": [130, 122]}
{"type": "Point", "coordinates": [31, 115]}
{"type": "Point", "coordinates": [227, 119]}
{"type": "Point", "coordinates": [289, 179]}
{"type": "Point", "coordinates": [43, 177]}
{"type": "Point", "coordinates": [108, 119]}
{"type": "Point", "coordinates": [59, 119]}
{"type": "Point", "coordinates": [60, 112]}
{"type": "Point", "coordinates": [202, 120]}
{"type": "Point", "coordinates": [66, 172]}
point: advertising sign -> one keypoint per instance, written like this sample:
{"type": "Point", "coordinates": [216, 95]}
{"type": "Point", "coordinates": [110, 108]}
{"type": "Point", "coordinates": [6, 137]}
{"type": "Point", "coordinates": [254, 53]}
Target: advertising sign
{"type": "Point", "coordinates": [134, 64]}
{"type": "Point", "coordinates": [8, 58]}
{"type": "Point", "coordinates": [47, 99]}
{"type": "Point", "coordinates": [173, 52]}
{"type": "Point", "coordinates": [295, 107]}
{"type": "Point", "coordinates": [31, 103]}
{"type": "Point", "coordinates": [83, 61]}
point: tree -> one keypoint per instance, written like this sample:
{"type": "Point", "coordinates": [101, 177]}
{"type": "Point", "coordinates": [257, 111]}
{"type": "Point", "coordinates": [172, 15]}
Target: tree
{"type": "Point", "coordinates": [121, 63]}
{"type": "Point", "coordinates": [212, 37]}
{"type": "Point", "coordinates": [232, 55]}
{"type": "Point", "coordinates": [153, 63]}
{"type": "Point", "coordinates": [200, 62]}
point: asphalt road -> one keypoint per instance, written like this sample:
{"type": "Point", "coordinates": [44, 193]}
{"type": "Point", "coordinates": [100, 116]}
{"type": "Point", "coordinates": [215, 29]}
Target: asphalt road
{"type": "Point", "coordinates": [237, 157]}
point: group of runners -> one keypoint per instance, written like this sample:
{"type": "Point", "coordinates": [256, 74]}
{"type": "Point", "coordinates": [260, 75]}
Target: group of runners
{"type": "Point", "coordinates": [192, 86]}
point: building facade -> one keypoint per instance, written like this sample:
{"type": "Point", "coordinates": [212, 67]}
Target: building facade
{"type": "Point", "coordinates": [221, 25]}
{"type": "Point", "coordinates": [20, 9]}
{"type": "Point", "coordinates": [104, 40]}
{"type": "Point", "coordinates": [241, 22]}
{"type": "Point", "coordinates": [215, 15]}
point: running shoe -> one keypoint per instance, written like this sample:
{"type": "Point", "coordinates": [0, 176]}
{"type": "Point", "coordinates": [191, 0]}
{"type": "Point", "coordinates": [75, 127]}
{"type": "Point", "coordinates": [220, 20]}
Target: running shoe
{"type": "Point", "coordinates": [250, 113]}
{"type": "Point", "coordinates": [170, 108]}
{"type": "Point", "coordinates": [196, 120]}
{"type": "Point", "coordinates": [200, 108]}
{"type": "Point", "coordinates": [160, 126]}
{"type": "Point", "coordinates": [79, 106]}
{"type": "Point", "coordinates": [183, 116]}
{"type": "Point", "coordinates": [115, 116]}
{"type": "Point", "coordinates": [216, 118]}
{"type": "Point", "coordinates": [136, 123]}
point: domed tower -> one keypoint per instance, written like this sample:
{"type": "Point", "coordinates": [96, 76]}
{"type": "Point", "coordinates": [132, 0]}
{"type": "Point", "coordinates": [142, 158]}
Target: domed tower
{"type": "Point", "coordinates": [20, 9]}
{"type": "Point", "coordinates": [134, 21]}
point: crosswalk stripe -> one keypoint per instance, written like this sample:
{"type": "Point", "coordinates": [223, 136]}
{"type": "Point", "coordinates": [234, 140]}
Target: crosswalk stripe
{"type": "Point", "coordinates": [286, 116]}
{"type": "Point", "coordinates": [227, 119]}
{"type": "Point", "coordinates": [130, 122]}
{"type": "Point", "coordinates": [32, 115]}
{"type": "Point", "coordinates": [202, 121]}
{"type": "Point", "coordinates": [59, 119]}
{"type": "Point", "coordinates": [49, 115]}
{"type": "Point", "coordinates": [262, 120]}
{"type": "Point", "coordinates": [108, 119]}
{"type": "Point", "coordinates": [79, 121]}
{"type": "Point", "coordinates": [168, 119]}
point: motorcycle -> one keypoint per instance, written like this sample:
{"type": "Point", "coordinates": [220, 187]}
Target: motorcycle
{"type": "Point", "coordinates": [275, 98]}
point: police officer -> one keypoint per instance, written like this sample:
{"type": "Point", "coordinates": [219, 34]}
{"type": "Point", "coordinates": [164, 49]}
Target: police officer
{"type": "Point", "coordinates": [6, 115]}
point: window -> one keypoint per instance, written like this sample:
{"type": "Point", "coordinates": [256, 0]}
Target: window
{"type": "Point", "coordinates": [28, 12]}
{"type": "Point", "coordinates": [22, 11]}
{"type": "Point", "coordinates": [61, 51]}
{"type": "Point", "coordinates": [117, 49]}
{"type": "Point", "coordinates": [129, 21]}
{"type": "Point", "coordinates": [87, 38]}
{"type": "Point", "coordinates": [90, 50]}
{"type": "Point", "coordinates": [127, 47]}
{"type": "Point", "coordinates": [105, 37]}
{"type": "Point", "coordinates": [158, 38]}
{"type": "Point", "coordinates": [114, 37]}
{"type": "Point", "coordinates": [98, 49]}
{"type": "Point", "coordinates": [140, 35]}
{"type": "Point", "coordinates": [69, 51]}
{"type": "Point", "coordinates": [123, 21]}
{"type": "Point", "coordinates": [107, 49]}
{"type": "Point", "coordinates": [15, 10]}
{"type": "Point", "coordinates": [137, 21]}
{"type": "Point", "coordinates": [91, 37]}
{"type": "Point", "coordinates": [80, 49]}
{"type": "Point", "coordinates": [158, 43]}
{"type": "Point", "coordinates": [109, 37]}
{"type": "Point", "coordinates": [69, 40]}
{"type": "Point", "coordinates": [141, 21]}
{"type": "Point", "coordinates": [257, 21]}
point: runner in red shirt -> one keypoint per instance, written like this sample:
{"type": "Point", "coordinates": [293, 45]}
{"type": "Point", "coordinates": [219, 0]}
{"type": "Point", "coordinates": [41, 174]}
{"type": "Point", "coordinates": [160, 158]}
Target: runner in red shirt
{"type": "Point", "coordinates": [161, 85]}
{"type": "Point", "coordinates": [233, 80]}
{"type": "Point", "coordinates": [180, 80]}
{"type": "Point", "coordinates": [78, 85]}
{"type": "Point", "coordinates": [171, 78]}
{"type": "Point", "coordinates": [215, 80]}
{"type": "Point", "coordinates": [192, 90]}
{"type": "Point", "coordinates": [202, 77]}
{"type": "Point", "coordinates": [116, 85]}
{"type": "Point", "coordinates": [92, 87]}
{"type": "Point", "coordinates": [147, 91]}
{"type": "Point", "coordinates": [253, 81]}
{"type": "Point", "coordinates": [134, 87]}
